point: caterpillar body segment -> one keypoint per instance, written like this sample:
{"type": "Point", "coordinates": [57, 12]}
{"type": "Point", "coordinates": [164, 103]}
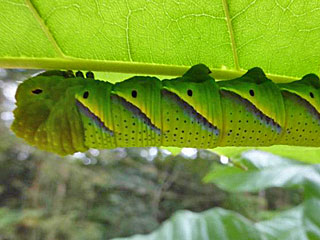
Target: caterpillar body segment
{"type": "Point", "coordinates": [253, 110]}
{"type": "Point", "coordinates": [136, 110]}
{"type": "Point", "coordinates": [186, 120]}
{"type": "Point", "coordinates": [95, 114]}
{"type": "Point", "coordinates": [64, 113]}
{"type": "Point", "coordinates": [308, 88]}
{"type": "Point", "coordinates": [302, 108]}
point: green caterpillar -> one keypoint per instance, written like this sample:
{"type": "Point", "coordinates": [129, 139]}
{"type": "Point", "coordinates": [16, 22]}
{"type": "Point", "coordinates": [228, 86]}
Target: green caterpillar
{"type": "Point", "coordinates": [62, 113]}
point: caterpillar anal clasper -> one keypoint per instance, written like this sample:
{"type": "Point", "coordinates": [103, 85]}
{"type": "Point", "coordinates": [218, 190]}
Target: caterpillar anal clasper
{"type": "Point", "coordinates": [64, 113]}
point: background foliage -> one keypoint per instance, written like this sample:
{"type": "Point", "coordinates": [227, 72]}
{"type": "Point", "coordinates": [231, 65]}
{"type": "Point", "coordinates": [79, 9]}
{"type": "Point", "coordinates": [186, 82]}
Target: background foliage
{"type": "Point", "coordinates": [122, 192]}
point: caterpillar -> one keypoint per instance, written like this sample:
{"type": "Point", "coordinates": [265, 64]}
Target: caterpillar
{"type": "Point", "coordinates": [64, 113]}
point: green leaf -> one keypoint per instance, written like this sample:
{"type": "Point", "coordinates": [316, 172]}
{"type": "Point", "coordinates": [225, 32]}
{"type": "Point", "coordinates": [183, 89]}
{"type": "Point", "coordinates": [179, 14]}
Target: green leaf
{"type": "Point", "coordinates": [305, 154]}
{"type": "Point", "coordinates": [173, 150]}
{"type": "Point", "coordinates": [212, 224]}
{"type": "Point", "coordinates": [155, 37]}
{"type": "Point", "coordinates": [299, 223]}
{"type": "Point", "coordinates": [266, 170]}
{"type": "Point", "coordinates": [12, 217]}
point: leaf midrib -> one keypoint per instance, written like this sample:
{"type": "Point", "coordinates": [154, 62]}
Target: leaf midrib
{"type": "Point", "coordinates": [45, 29]}
{"type": "Point", "coordinates": [231, 34]}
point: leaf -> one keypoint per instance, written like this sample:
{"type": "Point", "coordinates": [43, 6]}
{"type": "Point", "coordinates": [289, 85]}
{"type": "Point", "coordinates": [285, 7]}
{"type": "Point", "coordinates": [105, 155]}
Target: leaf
{"type": "Point", "coordinates": [305, 154]}
{"type": "Point", "coordinates": [299, 223]}
{"type": "Point", "coordinates": [266, 170]}
{"type": "Point", "coordinates": [11, 217]}
{"type": "Point", "coordinates": [155, 37]}
{"type": "Point", "coordinates": [216, 223]}
{"type": "Point", "coordinates": [173, 150]}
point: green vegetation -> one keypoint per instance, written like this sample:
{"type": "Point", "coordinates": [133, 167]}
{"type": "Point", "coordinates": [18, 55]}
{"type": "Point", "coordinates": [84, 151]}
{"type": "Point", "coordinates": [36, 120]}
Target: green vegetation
{"type": "Point", "coordinates": [162, 38]}
{"type": "Point", "coordinates": [123, 192]}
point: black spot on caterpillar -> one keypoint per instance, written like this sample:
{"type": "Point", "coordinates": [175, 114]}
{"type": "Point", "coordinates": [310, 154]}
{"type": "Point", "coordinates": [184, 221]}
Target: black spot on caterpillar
{"type": "Point", "coordinates": [63, 112]}
{"type": "Point", "coordinates": [37, 91]}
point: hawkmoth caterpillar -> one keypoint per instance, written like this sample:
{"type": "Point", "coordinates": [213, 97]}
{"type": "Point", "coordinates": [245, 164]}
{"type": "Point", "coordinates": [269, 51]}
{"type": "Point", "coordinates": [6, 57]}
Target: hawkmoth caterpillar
{"type": "Point", "coordinates": [65, 113]}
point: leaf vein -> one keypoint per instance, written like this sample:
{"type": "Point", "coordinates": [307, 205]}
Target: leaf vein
{"type": "Point", "coordinates": [231, 33]}
{"type": "Point", "coordinates": [45, 28]}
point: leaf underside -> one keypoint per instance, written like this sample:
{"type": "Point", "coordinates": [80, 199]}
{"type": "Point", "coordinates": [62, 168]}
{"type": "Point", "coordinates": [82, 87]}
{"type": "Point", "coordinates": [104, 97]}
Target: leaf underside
{"type": "Point", "coordinates": [162, 38]}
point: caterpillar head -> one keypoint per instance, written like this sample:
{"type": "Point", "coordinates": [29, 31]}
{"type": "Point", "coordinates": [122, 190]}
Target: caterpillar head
{"type": "Point", "coordinates": [46, 115]}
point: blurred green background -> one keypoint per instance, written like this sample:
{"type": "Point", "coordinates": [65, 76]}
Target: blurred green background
{"type": "Point", "coordinates": [117, 193]}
